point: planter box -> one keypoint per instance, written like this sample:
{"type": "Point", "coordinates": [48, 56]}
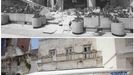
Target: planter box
{"type": "Point", "coordinates": [118, 29]}
{"type": "Point", "coordinates": [28, 17]}
{"type": "Point", "coordinates": [90, 22]}
{"type": "Point", "coordinates": [43, 20]}
{"type": "Point", "coordinates": [128, 22]}
{"type": "Point", "coordinates": [18, 17]}
{"type": "Point", "coordinates": [4, 19]}
{"type": "Point", "coordinates": [15, 17]}
{"type": "Point", "coordinates": [105, 23]}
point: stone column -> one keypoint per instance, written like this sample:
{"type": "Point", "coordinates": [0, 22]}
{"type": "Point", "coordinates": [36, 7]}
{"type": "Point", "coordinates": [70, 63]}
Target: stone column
{"type": "Point", "coordinates": [52, 4]}
{"type": "Point", "coordinates": [91, 3]}
{"type": "Point", "coordinates": [60, 4]}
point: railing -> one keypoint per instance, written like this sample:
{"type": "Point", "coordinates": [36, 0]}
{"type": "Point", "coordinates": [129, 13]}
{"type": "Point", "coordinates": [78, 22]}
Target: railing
{"type": "Point", "coordinates": [95, 71]}
{"type": "Point", "coordinates": [71, 57]}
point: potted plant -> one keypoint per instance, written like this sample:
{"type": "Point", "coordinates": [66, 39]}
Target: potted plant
{"type": "Point", "coordinates": [4, 19]}
{"type": "Point", "coordinates": [105, 21]}
{"type": "Point", "coordinates": [117, 27]}
{"type": "Point", "coordinates": [36, 21]}
{"type": "Point", "coordinates": [77, 24]}
{"type": "Point", "coordinates": [124, 17]}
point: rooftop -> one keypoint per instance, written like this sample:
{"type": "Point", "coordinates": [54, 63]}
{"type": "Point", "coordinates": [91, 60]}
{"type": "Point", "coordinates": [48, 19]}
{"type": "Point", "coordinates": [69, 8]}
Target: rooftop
{"type": "Point", "coordinates": [21, 30]}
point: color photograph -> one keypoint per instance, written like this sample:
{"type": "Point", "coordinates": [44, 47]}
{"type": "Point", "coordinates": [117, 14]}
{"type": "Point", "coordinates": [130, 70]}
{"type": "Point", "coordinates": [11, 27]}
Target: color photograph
{"type": "Point", "coordinates": [76, 56]}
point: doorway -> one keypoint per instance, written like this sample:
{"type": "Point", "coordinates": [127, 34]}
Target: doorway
{"type": "Point", "coordinates": [75, 4]}
{"type": "Point", "coordinates": [102, 3]}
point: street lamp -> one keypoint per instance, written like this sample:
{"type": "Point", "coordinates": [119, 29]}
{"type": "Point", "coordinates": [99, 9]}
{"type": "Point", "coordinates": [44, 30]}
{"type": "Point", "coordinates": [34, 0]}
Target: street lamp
{"type": "Point", "coordinates": [99, 31]}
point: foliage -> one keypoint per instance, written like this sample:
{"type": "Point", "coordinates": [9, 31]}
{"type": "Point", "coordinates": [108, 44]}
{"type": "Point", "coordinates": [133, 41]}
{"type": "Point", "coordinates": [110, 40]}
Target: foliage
{"type": "Point", "coordinates": [115, 20]}
{"type": "Point", "coordinates": [28, 65]}
{"type": "Point", "coordinates": [37, 15]}
{"type": "Point", "coordinates": [78, 16]}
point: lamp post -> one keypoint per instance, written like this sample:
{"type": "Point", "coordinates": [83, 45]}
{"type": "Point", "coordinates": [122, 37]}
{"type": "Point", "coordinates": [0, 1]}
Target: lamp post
{"type": "Point", "coordinates": [99, 30]}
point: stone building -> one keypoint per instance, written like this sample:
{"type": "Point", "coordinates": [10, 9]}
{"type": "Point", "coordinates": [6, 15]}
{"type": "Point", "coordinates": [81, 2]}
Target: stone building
{"type": "Point", "coordinates": [17, 56]}
{"type": "Point", "coordinates": [117, 53]}
{"type": "Point", "coordinates": [58, 54]}
{"type": "Point", "coordinates": [81, 53]}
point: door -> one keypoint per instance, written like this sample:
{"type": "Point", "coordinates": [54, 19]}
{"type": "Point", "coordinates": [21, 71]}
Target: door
{"type": "Point", "coordinates": [102, 3]}
{"type": "Point", "coordinates": [75, 4]}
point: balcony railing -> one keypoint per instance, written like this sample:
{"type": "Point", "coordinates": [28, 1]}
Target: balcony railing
{"type": "Point", "coordinates": [71, 57]}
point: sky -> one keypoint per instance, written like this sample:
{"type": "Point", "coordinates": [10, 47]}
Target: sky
{"type": "Point", "coordinates": [35, 43]}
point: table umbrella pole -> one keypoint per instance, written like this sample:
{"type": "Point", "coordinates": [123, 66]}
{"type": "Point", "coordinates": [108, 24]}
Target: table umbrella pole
{"type": "Point", "coordinates": [99, 30]}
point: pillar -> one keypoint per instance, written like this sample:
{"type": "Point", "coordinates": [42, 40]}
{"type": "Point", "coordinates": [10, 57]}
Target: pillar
{"type": "Point", "coordinates": [91, 3]}
{"type": "Point", "coordinates": [52, 4]}
{"type": "Point", "coordinates": [60, 4]}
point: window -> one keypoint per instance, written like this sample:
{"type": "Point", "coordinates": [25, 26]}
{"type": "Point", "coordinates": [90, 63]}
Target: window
{"type": "Point", "coordinates": [69, 51]}
{"type": "Point", "coordinates": [129, 41]}
{"type": "Point", "coordinates": [74, 1]}
{"type": "Point", "coordinates": [86, 51]}
{"type": "Point", "coordinates": [52, 52]}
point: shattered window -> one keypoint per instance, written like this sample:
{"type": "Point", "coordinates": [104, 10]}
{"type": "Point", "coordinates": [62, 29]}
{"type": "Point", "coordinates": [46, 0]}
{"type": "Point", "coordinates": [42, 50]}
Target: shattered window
{"type": "Point", "coordinates": [52, 52]}
{"type": "Point", "coordinates": [68, 50]}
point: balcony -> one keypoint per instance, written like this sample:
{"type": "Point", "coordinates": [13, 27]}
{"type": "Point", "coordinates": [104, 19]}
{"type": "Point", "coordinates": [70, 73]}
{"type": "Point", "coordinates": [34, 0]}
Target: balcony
{"type": "Point", "coordinates": [71, 57]}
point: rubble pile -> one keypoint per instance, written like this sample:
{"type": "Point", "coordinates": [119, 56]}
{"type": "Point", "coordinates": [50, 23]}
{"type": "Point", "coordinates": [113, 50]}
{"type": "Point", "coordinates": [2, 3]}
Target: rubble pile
{"type": "Point", "coordinates": [19, 7]}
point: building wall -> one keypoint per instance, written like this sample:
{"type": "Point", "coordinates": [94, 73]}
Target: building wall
{"type": "Point", "coordinates": [107, 46]}
{"type": "Point", "coordinates": [61, 44]}
{"type": "Point", "coordinates": [118, 53]}
{"type": "Point", "coordinates": [23, 44]}
{"type": "Point", "coordinates": [67, 65]}
{"type": "Point", "coordinates": [13, 55]}
{"type": "Point", "coordinates": [124, 48]}
{"type": "Point", "coordinates": [125, 3]}
{"type": "Point", "coordinates": [62, 63]}
{"type": "Point", "coordinates": [34, 66]}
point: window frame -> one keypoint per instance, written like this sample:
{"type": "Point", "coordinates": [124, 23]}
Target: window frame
{"type": "Point", "coordinates": [86, 53]}
{"type": "Point", "coordinates": [52, 52]}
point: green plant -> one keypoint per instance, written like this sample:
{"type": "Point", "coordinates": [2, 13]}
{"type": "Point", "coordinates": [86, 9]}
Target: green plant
{"type": "Point", "coordinates": [115, 20]}
{"type": "Point", "coordinates": [78, 17]}
{"type": "Point", "coordinates": [37, 15]}
{"type": "Point", "coordinates": [27, 65]}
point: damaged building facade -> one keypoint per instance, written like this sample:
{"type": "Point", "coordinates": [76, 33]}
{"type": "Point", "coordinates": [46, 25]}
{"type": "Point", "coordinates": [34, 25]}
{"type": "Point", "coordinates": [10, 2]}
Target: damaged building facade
{"type": "Point", "coordinates": [17, 57]}
{"type": "Point", "coordinates": [64, 54]}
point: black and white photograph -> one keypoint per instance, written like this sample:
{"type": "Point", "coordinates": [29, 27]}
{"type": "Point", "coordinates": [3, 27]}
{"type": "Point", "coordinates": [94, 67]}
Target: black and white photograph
{"type": "Point", "coordinates": [66, 18]}
{"type": "Point", "coordinates": [76, 56]}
